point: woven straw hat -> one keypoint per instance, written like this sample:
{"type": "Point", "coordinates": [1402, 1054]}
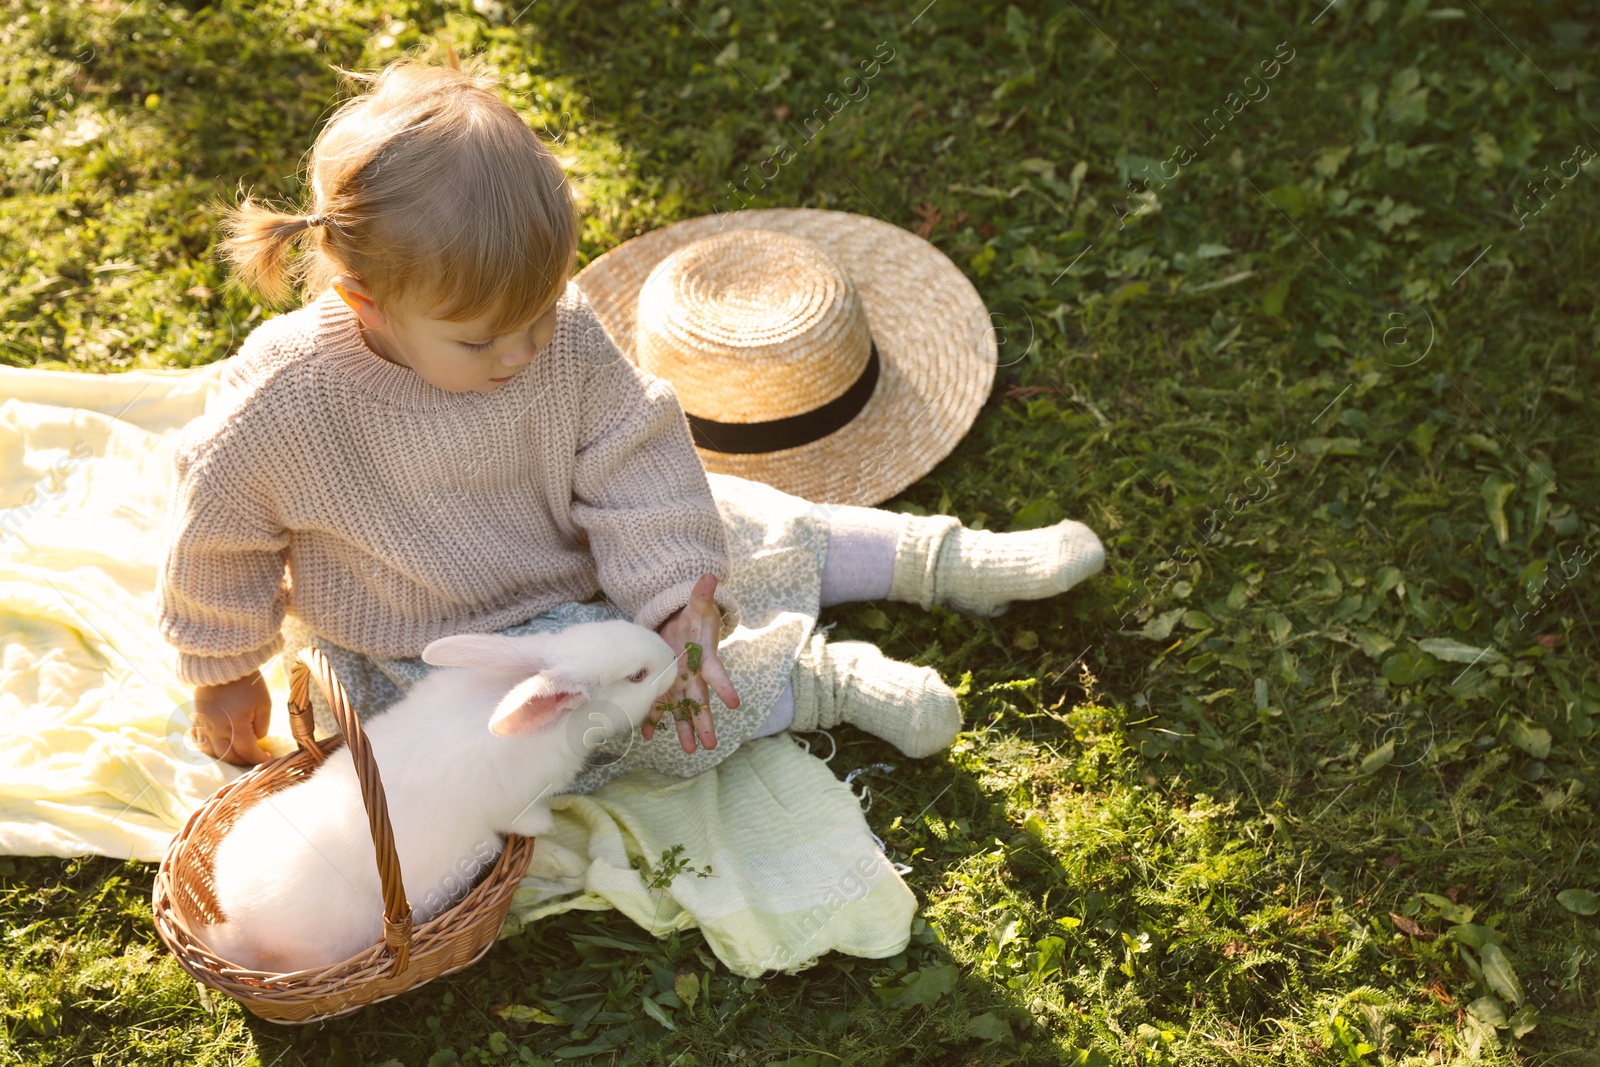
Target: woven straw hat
{"type": "Point", "coordinates": [832, 355]}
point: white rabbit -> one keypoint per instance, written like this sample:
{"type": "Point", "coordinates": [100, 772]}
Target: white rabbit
{"type": "Point", "coordinates": [473, 751]}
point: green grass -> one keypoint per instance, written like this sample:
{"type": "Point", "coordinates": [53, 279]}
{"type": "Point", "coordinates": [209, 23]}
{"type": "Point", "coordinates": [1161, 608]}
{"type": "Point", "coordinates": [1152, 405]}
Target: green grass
{"type": "Point", "coordinates": [1273, 828]}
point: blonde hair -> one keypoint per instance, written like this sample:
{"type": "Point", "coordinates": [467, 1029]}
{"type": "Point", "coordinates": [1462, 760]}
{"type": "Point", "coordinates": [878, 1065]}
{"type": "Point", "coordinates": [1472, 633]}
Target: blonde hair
{"type": "Point", "coordinates": [431, 190]}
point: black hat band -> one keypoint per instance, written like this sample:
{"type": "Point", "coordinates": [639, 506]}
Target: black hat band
{"type": "Point", "coordinates": [745, 438]}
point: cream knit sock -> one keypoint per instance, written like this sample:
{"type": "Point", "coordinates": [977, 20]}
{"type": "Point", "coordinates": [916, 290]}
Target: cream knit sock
{"type": "Point", "coordinates": [939, 561]}
{"type": "Point", "coordinates": [854, 682]}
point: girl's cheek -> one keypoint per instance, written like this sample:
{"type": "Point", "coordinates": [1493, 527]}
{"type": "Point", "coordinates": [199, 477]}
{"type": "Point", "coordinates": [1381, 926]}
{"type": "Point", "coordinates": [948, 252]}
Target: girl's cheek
{"type": "Point", "coordinates": [544, 334]}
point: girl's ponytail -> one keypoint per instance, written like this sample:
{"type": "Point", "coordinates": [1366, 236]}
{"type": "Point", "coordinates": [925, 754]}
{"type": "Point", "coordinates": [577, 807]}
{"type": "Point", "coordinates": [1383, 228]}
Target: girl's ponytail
{"type": "Point", "coordinates": [257, 245]}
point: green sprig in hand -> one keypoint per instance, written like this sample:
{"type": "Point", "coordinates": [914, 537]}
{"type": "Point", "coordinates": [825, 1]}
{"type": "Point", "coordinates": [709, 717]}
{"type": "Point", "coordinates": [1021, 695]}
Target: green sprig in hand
{"type": "Point", "coordinates": [693, 634]}
{"type": "Point", "coordinates": [683, 710]}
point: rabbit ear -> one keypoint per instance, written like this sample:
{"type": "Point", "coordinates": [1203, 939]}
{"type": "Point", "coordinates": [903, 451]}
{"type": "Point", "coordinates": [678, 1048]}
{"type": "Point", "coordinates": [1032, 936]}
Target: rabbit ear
{"type": "Point", "coordinates": [485, 650]}
{"type": "Point", "coordinates": [536, 704]}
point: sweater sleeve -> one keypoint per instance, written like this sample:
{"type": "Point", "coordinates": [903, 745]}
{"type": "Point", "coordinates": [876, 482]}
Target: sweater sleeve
{"type": "Point", "coordinates": [641, 494]}
{"type": "Point", "coordinates": [223, 590]}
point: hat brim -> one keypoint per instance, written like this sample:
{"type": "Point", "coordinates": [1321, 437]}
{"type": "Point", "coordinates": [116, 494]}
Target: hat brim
{"type": "Point", "coordinates": [935, 340]}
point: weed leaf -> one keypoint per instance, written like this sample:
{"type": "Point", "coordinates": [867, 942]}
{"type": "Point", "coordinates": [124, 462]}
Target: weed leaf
{"type": "Point", "coordinates": [989, 1026]}
{"type": "Point", "coordinates": [1579, 901]}
{"type": "Point", "coordinates": [1378, 758]}
{"type": "Point", "coordinates": [1498, 973]}
{"type": "Point", "coordinates": [1534, 740]}
{"type": "Point", "coordinates": [1456, 652]}
{"type": "Point", "coordinates": [1496, 490]}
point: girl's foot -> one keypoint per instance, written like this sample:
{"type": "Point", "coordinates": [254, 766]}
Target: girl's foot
{"type": "Point", "coordinates": [853, 681]}
{"type": "Point", "coordinates": [939, 561]}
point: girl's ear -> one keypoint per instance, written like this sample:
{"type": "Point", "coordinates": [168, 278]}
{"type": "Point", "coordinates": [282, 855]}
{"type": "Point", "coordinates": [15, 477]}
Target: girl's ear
{"type": "Point", "coordinates": [359, 300]}
{"type": "Point", "coordinates": [536, 704]}
{"type": "Point", "coordinates": [496, 651]}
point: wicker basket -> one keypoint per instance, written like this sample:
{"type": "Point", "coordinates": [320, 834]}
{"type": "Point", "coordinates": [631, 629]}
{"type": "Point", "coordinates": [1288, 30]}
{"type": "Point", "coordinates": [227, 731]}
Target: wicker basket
{"type": "Point", "coordinates": [184, 896]}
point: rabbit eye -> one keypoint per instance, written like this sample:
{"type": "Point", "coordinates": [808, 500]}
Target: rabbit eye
{"type": "Point", "coordinates": [638, 675]}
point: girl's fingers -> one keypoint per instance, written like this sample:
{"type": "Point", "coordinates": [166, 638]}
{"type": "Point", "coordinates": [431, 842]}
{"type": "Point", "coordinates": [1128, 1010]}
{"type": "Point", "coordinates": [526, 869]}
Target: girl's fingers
{"type": "Point", "coordinates": [712, 669]}
{"type": "Point", "coordinates": [700, 622]}
{"type": "Point", "coordinates": [698, 725]}
{"type": "Point", "coordinates": [705, 728]}
{"type": "Point", "coordinates": [686, 736]}
{"type": "Point", "coordinates": [241, 753]}
{"type": "Point", "coordinates": [681, 691]}
{"type": "Point", "coordinates": [677, 693]}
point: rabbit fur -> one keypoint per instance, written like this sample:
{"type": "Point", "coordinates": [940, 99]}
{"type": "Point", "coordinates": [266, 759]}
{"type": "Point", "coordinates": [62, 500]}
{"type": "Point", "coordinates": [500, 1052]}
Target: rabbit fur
{"type": "Point", "coordinates": [472, 752]}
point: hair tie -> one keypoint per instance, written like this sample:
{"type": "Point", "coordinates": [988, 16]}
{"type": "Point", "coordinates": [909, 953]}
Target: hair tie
{"type": "Point", "coordinates": [314, 220]}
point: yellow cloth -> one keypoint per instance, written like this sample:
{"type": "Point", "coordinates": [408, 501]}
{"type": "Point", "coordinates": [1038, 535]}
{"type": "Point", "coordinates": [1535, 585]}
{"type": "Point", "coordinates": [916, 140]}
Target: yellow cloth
{"type": "Point", "coordinates": [94, 757]}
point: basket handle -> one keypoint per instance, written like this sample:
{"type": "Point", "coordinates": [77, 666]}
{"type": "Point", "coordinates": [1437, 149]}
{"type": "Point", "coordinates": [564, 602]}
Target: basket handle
{"type": "Point", "coordinates": [396, 909]}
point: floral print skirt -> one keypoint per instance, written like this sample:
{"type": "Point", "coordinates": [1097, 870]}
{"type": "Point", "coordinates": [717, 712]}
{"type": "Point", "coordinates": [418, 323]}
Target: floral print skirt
{"type": "Point", "coordinates": [776, 544]}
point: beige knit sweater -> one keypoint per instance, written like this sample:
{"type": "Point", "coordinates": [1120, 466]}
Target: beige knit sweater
{"type": "Point", "coordinates": [386, 512]}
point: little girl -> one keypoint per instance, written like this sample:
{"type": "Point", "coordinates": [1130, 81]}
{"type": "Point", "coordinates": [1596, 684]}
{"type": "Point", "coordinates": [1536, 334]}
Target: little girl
{"type": "Point", "coordinates": [444, 440]}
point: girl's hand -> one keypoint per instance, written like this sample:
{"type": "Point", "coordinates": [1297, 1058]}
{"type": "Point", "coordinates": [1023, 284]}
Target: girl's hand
{"type": "Point", "coordinates": [699, 622]}
{"type": "Point", "coordinates": [230, 720]}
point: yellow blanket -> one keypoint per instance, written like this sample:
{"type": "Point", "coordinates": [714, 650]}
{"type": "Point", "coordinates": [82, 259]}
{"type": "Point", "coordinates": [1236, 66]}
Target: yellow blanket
{"type": "Point", "coordinates": [94, 756]}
